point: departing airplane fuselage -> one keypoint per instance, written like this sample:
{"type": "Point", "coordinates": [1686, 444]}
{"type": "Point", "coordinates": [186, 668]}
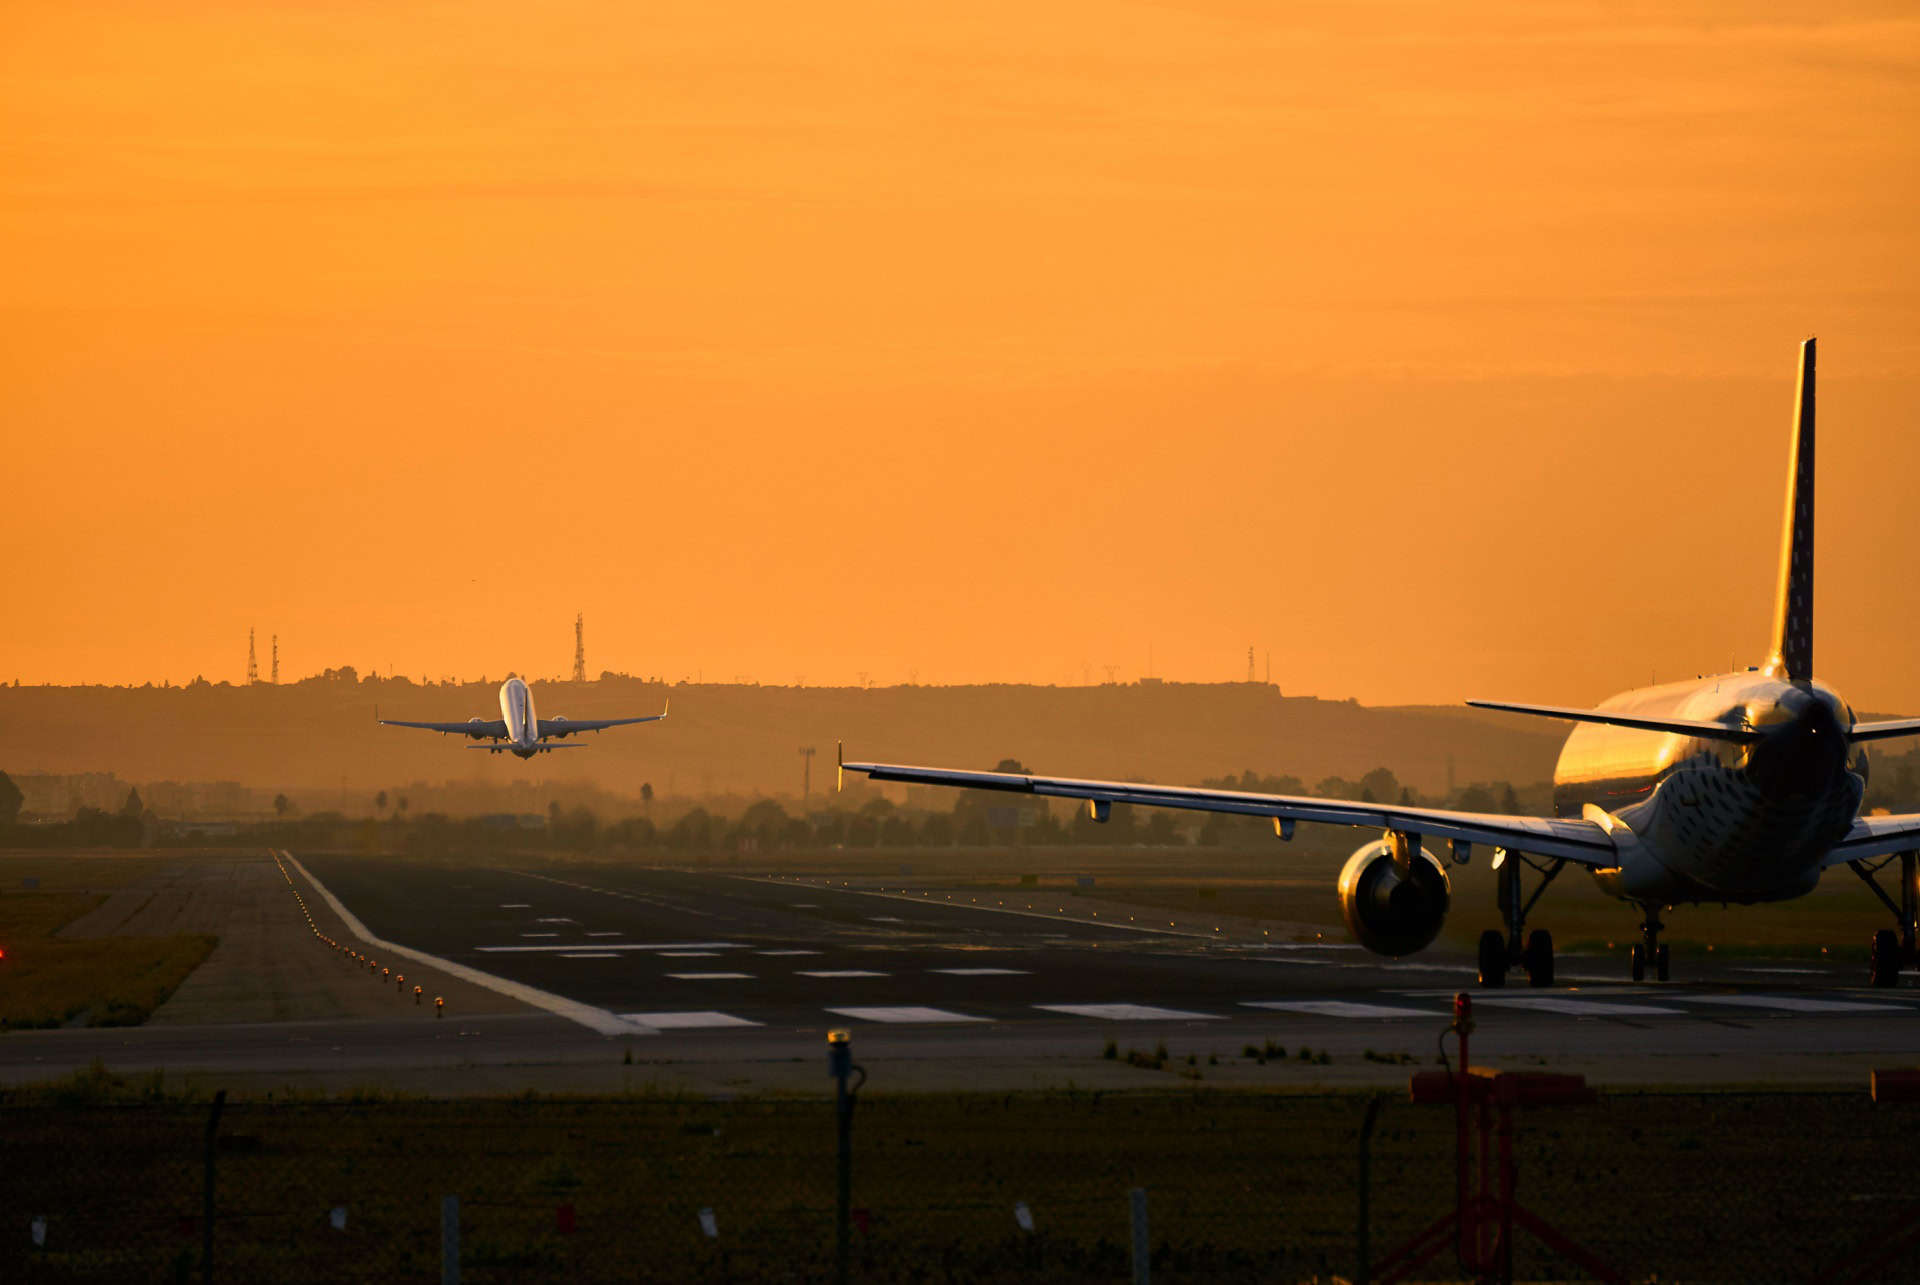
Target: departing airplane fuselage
{"type": "Point", "coordinates": [523, 725]}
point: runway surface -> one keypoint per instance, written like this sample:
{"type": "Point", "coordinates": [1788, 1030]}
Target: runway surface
{"type": "Point", "coordinates": [742, 976]}
{"type": "Point", "coordinates": [681, 951]}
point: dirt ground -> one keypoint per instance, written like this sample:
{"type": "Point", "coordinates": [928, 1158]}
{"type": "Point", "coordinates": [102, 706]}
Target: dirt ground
{"type": "Point", "coordinates": [269, 965]}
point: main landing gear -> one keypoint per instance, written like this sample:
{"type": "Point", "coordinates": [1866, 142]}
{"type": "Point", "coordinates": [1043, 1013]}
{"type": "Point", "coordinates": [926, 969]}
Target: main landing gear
{"type": "Point", "coordinates": [1516, 947]}
{"type": "Point", "coordinates": [1652, 949]}
{"type": "Point", "coordinates": [1894, 950]}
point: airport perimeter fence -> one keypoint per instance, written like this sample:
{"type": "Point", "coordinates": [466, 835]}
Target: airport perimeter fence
{"type": "Point", "coordinates": [962, 1188]}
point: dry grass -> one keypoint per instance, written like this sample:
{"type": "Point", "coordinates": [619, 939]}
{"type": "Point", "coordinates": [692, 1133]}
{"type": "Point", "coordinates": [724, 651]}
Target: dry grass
{"type": "Point", "coordinates": [101, 981]}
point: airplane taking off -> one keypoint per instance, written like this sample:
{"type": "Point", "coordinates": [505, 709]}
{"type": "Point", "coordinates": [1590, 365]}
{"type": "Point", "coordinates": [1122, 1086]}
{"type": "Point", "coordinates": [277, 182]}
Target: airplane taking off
{"type": "Point", "coordinates": [1735, 788]}
{"type": "Point", "coordinates": [524, 734]}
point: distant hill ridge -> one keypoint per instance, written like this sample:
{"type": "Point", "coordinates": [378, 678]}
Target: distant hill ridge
{"type": "Point", "coordinates": [724, 738]}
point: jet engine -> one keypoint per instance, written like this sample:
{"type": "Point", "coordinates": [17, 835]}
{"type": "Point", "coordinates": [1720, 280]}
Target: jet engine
{"type": "Point", "coordinates": [559, 722]}
{"type": "Point", "coordinates": [478, 726]}
{"type": "Point", "coordinates": [1388, 912]}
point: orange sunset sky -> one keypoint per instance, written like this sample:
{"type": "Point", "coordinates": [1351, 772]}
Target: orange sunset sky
{"type": "Point", "coordinates": [1438, 350]}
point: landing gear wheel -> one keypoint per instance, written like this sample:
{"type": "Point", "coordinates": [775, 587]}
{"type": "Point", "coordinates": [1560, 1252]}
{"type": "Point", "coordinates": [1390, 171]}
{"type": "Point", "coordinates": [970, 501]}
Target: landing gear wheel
{"type": "Point", "coordinates": [1493, 959]}
{"type": "Point", "coordinates": [1638, 956]}
{"type": "Point", "coordinates": [1661, 961]}
{"type": "Point", "coordinates": [1886, 958]}
{"type": "Point", "coordinates": [1539, 958]}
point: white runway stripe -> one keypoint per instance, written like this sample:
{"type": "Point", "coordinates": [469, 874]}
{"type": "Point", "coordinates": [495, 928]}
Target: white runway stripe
{"type": "Point", "coordinates": [607, 934]}
{"type": "Point", "coordinates": [1125, 1012]}
{"type": "Point", "coordinates": [589, 954]}
{"type": "Point", "coordinates": [688, 954]}
{"type": "Point", "coordinates": [617, 945]}
{"type": "Point", "coordinates": [539, 934]}
{"type": "Point", "coordinates": [772, 953]}
{"type": "Point", "coordinates": [908, 1013]}
{"type": "Point", "coordinates": [841, 972]}
{"type": "Point", "coordinates": [711, 977]}
{"type": "Point", "coordinates": [1793, 1004]}
{"type": "Point", "coordinates": [688, 1021]}
{"type": "Point", "coordinates": [1339, 1008]}
{"type": "Point", "coordinates": [515, 905]}
{"type": "Point", "coordinates": [1577, 1007]}
{"type": "Point", "coordinates": [981, 972]}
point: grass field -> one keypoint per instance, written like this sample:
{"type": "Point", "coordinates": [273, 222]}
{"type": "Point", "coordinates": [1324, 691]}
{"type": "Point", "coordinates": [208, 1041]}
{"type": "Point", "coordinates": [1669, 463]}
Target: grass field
{"type": "Point", "coordinates": [47, 980]}
{"type": "Point", "coordinates": [1242, 1186]}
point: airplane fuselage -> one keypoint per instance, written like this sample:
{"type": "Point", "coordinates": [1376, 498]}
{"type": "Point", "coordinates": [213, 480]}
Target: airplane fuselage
{"type": "Point", "coordinates": [1712, 820]}
{"type": "Point", "coordinates": [523, 725]}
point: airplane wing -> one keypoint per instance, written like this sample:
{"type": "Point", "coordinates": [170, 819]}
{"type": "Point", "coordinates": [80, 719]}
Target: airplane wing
{"type": "Point", "coordinates": [1876, 837]}
{"type": "Point", "coordinates": [568, 726]}
{"type": "Point", "coordinates": [496, 727]}
{"type": "Point", "coordinates": [1881, 731]}
{"type": "Point", "coordinates": [1582, 842]}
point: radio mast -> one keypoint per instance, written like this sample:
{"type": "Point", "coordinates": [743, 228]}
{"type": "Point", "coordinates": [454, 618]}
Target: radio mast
{"type": "Point", "coordinates": [579, 648]}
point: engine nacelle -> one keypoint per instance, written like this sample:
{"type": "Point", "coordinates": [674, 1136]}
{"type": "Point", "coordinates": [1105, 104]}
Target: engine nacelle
{"type": "Point", "coordinates": [1386, 913]}
{"type": "Point", "coordinates": [478, 726]}
{"type": "Point", "coordinates": [559, 722]}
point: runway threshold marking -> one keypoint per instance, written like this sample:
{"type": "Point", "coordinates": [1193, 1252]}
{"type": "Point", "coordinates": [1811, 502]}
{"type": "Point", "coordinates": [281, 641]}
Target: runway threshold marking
{"type": "Point", "coordinates": [1338, 1008]}
{"type": "Point", "coordinates": [688, 1021]}
{"type": "Point", "coordinates": [1791, 1004]}
{"type": "Point", "coordinates": [613, 945]}
{"type": "Point", "coordinates": [904, 1013]}
{"type": "Point", "coordinates": [595, 1019]}
{"type": "Point", "coordinates": [1578, 1007]}
{"type": "Point", "coordinates": [1127, 1012]}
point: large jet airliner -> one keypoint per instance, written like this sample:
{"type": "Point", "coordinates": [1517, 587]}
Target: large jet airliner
{"type": "Point", "coordinates": [1735, 788]}
{"type": "Point", "coordinates": [519, 731]}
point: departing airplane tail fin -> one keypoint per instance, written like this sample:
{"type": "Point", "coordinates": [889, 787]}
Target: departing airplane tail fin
{"type": "Point", "coordinates": [1792, 656]}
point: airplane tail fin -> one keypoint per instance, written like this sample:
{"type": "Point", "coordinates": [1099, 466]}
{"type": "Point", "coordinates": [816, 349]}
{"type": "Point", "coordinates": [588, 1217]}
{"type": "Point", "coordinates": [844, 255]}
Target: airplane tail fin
{"type": "Point", "coordinates": [1792, 656]}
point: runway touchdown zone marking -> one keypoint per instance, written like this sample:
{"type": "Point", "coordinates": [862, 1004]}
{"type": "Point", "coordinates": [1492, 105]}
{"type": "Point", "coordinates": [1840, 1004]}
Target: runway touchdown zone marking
{"type": "Point", "coordinates": [1127, 1012]}
{"type": "Point", "coordinates": [904, 1013]}
{"type": "Point", "coordinates": [688, 1021]}
{"type": "Point", "coordinates": [1337, 1008]}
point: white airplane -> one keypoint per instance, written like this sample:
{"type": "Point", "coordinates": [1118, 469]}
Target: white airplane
{"type": "Point", "coordinates": [519, 731]}
{"type": "Point", "coordinates": [1736, 788]}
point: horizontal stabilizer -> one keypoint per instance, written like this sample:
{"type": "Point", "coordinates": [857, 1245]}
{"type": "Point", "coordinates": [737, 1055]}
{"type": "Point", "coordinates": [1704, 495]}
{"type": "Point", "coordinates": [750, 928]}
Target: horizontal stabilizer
{"type": "Point", "coordinates": [1673, 726]}
{"type": "Point", "coordinates": [541, 748]}
{"type": "Point", "coordinates": [1881, 731]}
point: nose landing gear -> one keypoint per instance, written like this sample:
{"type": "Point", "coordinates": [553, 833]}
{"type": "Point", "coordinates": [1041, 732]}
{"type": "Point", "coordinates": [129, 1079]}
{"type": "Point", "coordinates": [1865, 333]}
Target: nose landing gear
{"type": "Point", "coordinates": [1517, 948]}
{"type": "Point", "coordinates": [1652, 950]}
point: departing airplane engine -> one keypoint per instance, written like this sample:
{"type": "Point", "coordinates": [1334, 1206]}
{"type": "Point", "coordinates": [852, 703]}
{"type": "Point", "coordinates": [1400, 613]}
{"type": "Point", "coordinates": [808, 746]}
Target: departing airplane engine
{"type": "Point", "coordinates": [477, 729]}
{"type": "Point", "coordinates": [559, 722]}
{"type": "Point", "coordinates": [1389, 914]}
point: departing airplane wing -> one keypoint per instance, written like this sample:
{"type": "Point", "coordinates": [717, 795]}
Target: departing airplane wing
{"type": "Point", "coordinates": [495, 727]}
{"type": "Point", "coordinates": [1876, 837]}
{"type": "Point", "coordinates": [1581, 842]}
{"type": "Point", "coordinates": [568, 726]}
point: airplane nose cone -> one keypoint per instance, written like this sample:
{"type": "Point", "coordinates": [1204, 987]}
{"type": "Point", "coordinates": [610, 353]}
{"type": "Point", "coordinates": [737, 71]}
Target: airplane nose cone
{"type": "Point", "coordinates": [1805, 749]}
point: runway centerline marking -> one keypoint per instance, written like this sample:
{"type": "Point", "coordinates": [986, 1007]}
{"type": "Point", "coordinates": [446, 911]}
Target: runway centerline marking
{"type": "Point", "coordinates": [589, 954]}
{"type": "Point", "coordinates": [711, 977]}
{"type": "Point", "coordinates": [516, 905]}
{"type": "Point", "coordinates": [905, 1013]}
{"type": "Point", "coordinates": [688, 1021]}
{"type": "Point", "coordinates": [1127, 1012]}
{"type": "Point", "coordinates": [688, 954]}
{"type": "Point", "coordinates": [772, 953]}
{"type": "Point", "coordinates": [841, 972]}
{"type": "Point", "coordinates": [539, 934]}
{"type": "Point", "coordinates": [1338, 1008]}
{"type": "Point", "coordinates": [981, 972]}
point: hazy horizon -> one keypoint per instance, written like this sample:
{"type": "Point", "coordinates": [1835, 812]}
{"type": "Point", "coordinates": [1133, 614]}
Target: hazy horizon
{"type": "Point", "coordinates": [1436, 351]}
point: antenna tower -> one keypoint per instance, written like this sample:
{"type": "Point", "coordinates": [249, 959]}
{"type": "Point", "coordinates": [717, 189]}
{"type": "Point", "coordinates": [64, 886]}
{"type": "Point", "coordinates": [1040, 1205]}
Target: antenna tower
{"type": "Point", "coordinates": [276, 658]}
{"type": "Point", "coordinates": [579, 648]}
{"type": "Point", "coordinates": [253, 666]}
{"type": "Point", "coordinates": [1250, 677]}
